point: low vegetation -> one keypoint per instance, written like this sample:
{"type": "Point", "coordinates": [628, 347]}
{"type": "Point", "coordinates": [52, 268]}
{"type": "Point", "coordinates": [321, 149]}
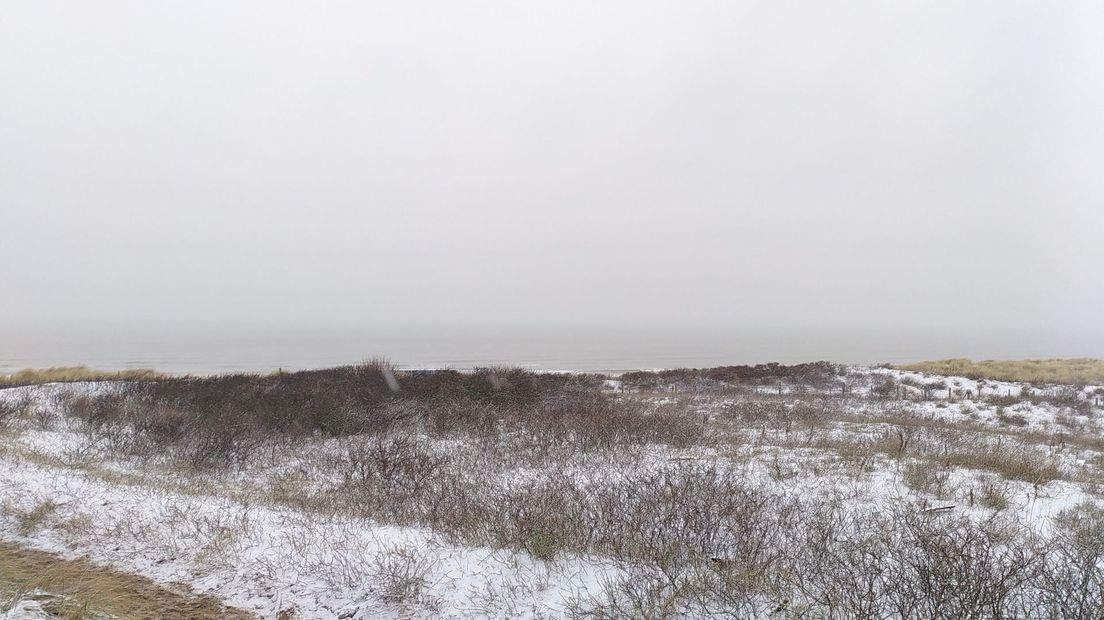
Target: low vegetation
{"type": "Point", "coordinates": [79, 590]}
{"type": "Point", "coordinates": [815, 374]}
{"type": "Point", "coordinates": [69, 374]}
{"type": "Point", "coordinates": [810, 491]}
{"type": "Point", "coordinates": [1077, 371]}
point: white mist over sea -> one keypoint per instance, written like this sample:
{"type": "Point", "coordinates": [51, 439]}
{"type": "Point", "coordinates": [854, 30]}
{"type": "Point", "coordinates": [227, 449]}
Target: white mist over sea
{"type": "Point", "coordinates": [204, 349]}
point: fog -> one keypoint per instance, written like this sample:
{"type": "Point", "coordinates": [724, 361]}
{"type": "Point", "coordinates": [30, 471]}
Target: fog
{"type": "Point", "coordinates": [899, 165]}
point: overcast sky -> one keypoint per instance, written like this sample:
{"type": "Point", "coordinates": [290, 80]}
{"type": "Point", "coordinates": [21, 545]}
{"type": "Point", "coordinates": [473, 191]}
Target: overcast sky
{"type": "Point", "coordinates": [823, 164]}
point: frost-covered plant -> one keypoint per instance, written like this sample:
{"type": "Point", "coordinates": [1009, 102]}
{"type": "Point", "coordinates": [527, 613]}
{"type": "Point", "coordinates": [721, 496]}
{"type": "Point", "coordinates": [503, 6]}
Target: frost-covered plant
{"type": "Point", "coordinates": [402, 572]}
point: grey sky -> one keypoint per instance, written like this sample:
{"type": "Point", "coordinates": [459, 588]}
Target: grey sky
{"type": "Point", "coordinates": [746, 163]}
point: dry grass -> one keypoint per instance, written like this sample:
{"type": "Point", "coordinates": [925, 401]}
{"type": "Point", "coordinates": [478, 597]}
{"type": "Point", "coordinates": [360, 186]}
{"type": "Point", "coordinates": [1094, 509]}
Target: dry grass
{"type": "Point", "coordinates": [928, 478]}
{"type": "Point", "coordinates": [28, 522]}
{"type": "Point", "coordinates": [80, 590]}
{"type": "Point", "coordinates": [1076, 371]}
{"type": "Point", "coordinates": [63, 374]}
{"type": "Point", "coordinates": [1023, 465]}
{"type": "Point", "coordinates": [994, 494]}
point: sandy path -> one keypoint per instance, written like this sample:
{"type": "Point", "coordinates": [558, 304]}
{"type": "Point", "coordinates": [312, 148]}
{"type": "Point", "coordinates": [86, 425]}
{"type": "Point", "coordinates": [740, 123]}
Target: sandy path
{"type": "Point", "coordinates": [94, 590]}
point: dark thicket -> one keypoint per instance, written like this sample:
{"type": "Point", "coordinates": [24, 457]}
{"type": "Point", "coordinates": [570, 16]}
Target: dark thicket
{"type": "Point", "coordinates": [812, 373]}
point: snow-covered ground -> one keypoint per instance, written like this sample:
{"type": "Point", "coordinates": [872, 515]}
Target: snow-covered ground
{"type": "Point", "coordinates": [266, 559]}
{"type": "Point", "coordinates": [224, 534]}
{"type": "Point", "coordinates": [29, 606]}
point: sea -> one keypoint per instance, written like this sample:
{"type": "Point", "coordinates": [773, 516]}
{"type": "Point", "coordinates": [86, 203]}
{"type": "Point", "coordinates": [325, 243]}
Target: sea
{"type": "Point", "coordinates": [208, 348]}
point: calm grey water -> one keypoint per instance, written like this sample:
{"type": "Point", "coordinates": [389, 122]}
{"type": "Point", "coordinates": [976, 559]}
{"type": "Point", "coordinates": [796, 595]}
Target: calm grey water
{"type": "Point", "coordinates": [201, 349]}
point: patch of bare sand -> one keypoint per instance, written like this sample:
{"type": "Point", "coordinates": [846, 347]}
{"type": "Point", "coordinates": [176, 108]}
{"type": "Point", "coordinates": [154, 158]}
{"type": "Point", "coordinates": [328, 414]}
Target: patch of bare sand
{"type": "Point", "coordinates": [80, 590]}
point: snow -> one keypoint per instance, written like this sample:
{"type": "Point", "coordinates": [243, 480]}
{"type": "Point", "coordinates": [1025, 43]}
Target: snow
{"type": "Point", "coordinates": [29, 607]}
{"type": "Point", "coordinates": [264, 558]}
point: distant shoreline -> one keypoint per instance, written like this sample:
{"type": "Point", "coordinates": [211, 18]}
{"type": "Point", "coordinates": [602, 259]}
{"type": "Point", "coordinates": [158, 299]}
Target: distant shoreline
{"type": "Point", "coordinates": [212, 349]}
{"type": "Point", "coordinates": [1065, 371]}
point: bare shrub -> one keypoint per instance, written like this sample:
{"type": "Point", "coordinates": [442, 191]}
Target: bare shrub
{"type": "Point", "coordinates": [219, 439]}
{"type": "Point", "coordinates": [596, 421]}
{"type": "Point", "coordinates": [994, 494]}
{"type": "Point", "coordinates": [1072, 586]}
{"type": "Point", "coordinates": [779, 413]}
{"type": "Point", "coordinates": [392, 470]}
{"type": "Point", "coordinates": [401, 574]}
{"type": "Point", "coordinates": [814, 374]}
{"type": "Point", "coordinates": [1011, 419]}
{"type": "Point", "coordinates": [12, 408]}
{"type": "Point", "coordinates": [104, 415]}
{"type": "Point", "coordinates": [964, 569]}
{"type": "Point", "coordinates": [645, 593]}
{"type": "Point", "coordinates": [927, 478]}
{"type": "Point", "coordinates": [838, 564]}
{"type": "Point", "coordinates": [912, 564]}
{"type": "Point", "coordinates": [886, 388]}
